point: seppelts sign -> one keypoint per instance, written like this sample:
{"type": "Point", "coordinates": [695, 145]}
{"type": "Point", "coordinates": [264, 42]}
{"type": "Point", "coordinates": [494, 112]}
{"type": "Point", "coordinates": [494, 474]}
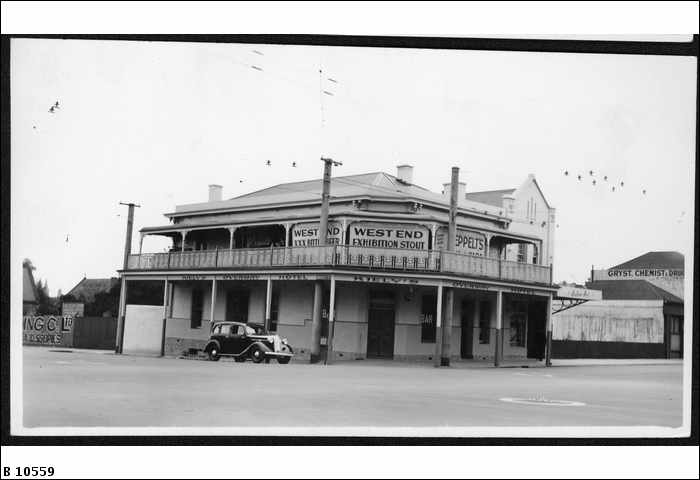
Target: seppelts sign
{"type": "Point", "coordinates": [47, 330]}
{"type": "Point", "coordinates": [466, 241]}
{"type": "Point", "coordinates": [388, 235]}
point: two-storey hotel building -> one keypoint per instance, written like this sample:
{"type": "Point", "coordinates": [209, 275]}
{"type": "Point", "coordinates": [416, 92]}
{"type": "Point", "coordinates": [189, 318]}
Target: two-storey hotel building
{"type": "Point", "coordinates": [383, 271]}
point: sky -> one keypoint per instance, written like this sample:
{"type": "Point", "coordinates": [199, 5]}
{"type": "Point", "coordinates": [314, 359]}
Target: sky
{"type": "Point", "coordinates": [155, 123]}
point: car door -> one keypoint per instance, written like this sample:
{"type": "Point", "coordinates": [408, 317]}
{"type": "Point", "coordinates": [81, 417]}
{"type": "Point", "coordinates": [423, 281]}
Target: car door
{"type": "Point", "coordinates": [237, 340]}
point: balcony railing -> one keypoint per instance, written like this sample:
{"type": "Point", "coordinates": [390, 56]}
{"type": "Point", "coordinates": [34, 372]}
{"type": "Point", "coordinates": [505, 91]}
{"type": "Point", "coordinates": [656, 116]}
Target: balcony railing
{"type": "Point", "coordinates": [339, 256]}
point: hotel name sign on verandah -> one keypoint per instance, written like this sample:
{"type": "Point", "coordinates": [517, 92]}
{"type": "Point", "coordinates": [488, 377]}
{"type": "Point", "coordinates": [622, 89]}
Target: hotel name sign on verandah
{"type": "Point", "coordinates": [353, 277]}
{"type": "Point", "coordinates": [637, 273]}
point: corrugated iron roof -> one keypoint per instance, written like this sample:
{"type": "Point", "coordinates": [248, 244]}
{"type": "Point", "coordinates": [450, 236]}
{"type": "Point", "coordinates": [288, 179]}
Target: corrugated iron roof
{"type": "Point", "coordinates": [377, 184]}
{"type": "Point", "coordinates": [632, 290]}
{"type": "Point", "coordinates": [669, 259]}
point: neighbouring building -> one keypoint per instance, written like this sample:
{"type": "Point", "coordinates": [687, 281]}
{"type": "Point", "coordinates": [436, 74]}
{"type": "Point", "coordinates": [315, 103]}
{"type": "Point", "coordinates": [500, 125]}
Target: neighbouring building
{"type": "Point", "coordinates": [84, 293]}
{"type": "Point", "coordinates": [376, 288]}
{"type": "Point", "coordinates": [640, 314]}
{"type": "Point", "coordinates": [30, 299]}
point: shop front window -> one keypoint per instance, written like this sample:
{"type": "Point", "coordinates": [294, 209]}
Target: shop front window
{"type": "Point", "coordinates": [274, 311]}
{"type": "Point", "coordinates": [427, 319]}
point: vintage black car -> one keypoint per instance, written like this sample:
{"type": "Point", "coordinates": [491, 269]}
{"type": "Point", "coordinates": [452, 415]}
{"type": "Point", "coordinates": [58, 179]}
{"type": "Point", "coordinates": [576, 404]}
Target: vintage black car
{"type": "Point", "coordinates": [246, 340]}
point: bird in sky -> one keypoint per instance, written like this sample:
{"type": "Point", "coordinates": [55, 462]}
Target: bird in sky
{"type": "Point", "coordinates": [294, 164]}
{"type": "Point", "coordinates": [579, 177]}
{"type": "Point", "coordinates": [622, 184]}
{"type": "Point", "coordinates": [590, 172]}
{"type": "Point", "coordinates": [268, 163]}
{"type": "Point", "coordinates": [240, 181]}
{"type": "Point", "coordinates": [644, 192]}
{"type": "Point", "coordinates": [56, 104]}
{"type": "Point", "coordinates": [613, 188]}
{"type": "Point", "coordinates": [593, 182]}
{"type": "Point", "coordinates": [605, 178]}
{"type": "Point", "coordinates": [52, 109]}
{"type": "Point", "coordinates": [66, 238]}
{"type": "Point", "coordinates": [566, 173]}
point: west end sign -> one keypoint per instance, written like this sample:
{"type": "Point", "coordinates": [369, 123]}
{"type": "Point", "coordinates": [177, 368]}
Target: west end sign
{"type": "Point", "coordinates": [306, 234]}
{"type": "Point", "coordinates": [389, 235]}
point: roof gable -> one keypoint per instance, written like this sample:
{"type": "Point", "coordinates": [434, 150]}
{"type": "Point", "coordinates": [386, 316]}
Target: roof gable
{"type": "Point", "coordinates": [668, 259]}
{"type": "Point", "coordinates": [28, 285]}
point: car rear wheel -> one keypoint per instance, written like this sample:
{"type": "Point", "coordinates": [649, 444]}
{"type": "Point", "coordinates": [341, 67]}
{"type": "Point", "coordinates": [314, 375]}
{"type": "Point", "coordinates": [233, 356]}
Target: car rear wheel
{"type": "Point", "coordinates": [257, 355]}
{"type": "Point", "coordinates": [283, 360]}
{"type": "Point", "coordinates": [214, 354]}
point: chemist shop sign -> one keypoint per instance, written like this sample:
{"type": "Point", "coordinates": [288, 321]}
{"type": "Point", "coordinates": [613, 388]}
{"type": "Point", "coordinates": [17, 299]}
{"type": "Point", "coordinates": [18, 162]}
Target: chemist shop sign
{"type": "Point", "coordinates": [637, 274]}
{"type": "Point", "coordinates": [47, 330]}
{"type": "Point", "coordinates": [306, 234]}
{"type": "Point", "coordinates": [466, 242]}
{"type": "Point", "coordinates": [388, 235]}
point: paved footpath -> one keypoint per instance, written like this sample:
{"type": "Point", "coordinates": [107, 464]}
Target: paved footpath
{"type": "Point", "coordinates": [97, 388]}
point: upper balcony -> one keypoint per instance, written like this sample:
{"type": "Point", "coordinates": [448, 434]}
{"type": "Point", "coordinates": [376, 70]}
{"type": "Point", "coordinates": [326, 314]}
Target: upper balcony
{"type": "Point", "coordinates": [344, 257]}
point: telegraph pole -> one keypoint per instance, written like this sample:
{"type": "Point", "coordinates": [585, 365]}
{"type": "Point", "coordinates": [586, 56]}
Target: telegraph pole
{"type": "Point", "coordinates": [450, 293]}
{"type": "Point", "coordinates": [328, 164]}
{"type": "Point", "coordinates": [122, 293]}
{"type": "Point", "coordinates": [129, 230]}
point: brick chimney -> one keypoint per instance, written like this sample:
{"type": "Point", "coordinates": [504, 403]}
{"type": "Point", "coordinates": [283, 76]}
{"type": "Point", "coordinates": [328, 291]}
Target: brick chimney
{"type": "Point", "coordinates": [461, 193]}
{"type": "Point", "coordinates": [405, 173]}
{"type": "Point", "coordinates": [215, 193]}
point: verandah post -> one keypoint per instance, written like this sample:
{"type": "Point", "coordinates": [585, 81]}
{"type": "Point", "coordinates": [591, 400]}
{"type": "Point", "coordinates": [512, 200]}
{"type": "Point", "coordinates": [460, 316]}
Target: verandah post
{"type": "Point", "coordinates": [331, 322]}
{"type": "Point", "coordinates": [499, 325]}
{"type": "Point", "coordinates": [548, 345]}
{"type": "Point", "coordinates": [438, 328]}
{"type": "Point", "coordinates": [166, 302]}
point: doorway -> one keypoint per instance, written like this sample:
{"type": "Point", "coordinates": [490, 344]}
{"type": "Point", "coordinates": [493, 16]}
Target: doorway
{"type": "Point", "coordinates": [380, 324]}
{"type": "Point", "coordinates": [675, 337]}
{"type": "Point", "coordinates": [237, 306]}
{"type": "Point", "coordinates": [467, 340]}
{"type": "Point", "coordinates": [536, 328]}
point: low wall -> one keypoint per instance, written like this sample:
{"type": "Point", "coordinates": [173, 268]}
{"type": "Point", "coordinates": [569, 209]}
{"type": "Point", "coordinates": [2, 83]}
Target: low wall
{"type": "Point", "coordinates": [579, 349]}
{"type": "Point", "coordinates": [143, 330]}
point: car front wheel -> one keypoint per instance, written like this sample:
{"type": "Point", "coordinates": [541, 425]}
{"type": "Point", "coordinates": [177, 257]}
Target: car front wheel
{"type": "Point", "coordinates": [214, 354]}
{"type": "Point", "coordinates": [257, 355]}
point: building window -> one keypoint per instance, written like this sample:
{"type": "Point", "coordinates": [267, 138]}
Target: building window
{"type": "Point", "coordinates": [517, 330]}
{"type": "Point", "coordinates": [485, 323]}
{"type": "Point", "coordinates": [522, 252]}
{"type": "Point", "coordinates": [274, 311]}
{"type": "Point", "coordinates": [197, 308]}
{"type": "Point", "coordinates": [427, 319]}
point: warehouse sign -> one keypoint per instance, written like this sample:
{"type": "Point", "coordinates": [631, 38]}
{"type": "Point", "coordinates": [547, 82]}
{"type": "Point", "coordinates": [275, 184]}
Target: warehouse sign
{"type": "Point", "coordinates": [388, 235]}
{"type": "Point", "coordinates": [637, 273]}
{"type": "Point", "coordinates": [466, 242]}
{"type": "Point", "coordinates": [306, 234]}
{"type": "Point", "coordinates": [46, 330]}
